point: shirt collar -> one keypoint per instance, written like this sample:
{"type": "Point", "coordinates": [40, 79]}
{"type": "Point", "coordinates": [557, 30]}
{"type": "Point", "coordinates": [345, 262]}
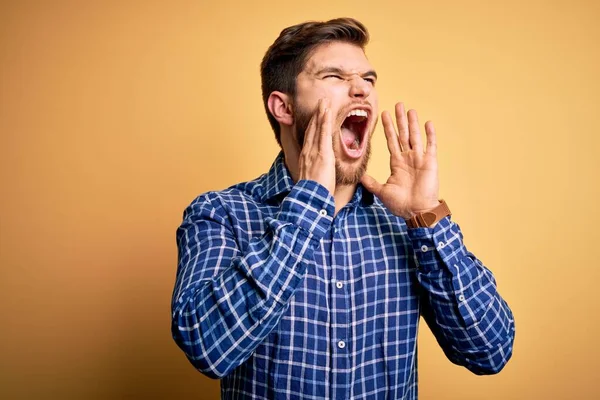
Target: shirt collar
{"type": "Point", "coordinates": [278, 181]}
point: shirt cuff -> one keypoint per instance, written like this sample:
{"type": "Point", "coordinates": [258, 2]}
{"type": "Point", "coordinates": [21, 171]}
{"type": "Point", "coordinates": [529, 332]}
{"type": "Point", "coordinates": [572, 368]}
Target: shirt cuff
{"type": "Point", "coordinates": [310, 206]}
{"type": "Point", "coordinates": [444, 240]}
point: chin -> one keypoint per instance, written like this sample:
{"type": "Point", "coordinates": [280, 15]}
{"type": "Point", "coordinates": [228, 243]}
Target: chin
{"type": "Point", "coordinates": [350, 171]}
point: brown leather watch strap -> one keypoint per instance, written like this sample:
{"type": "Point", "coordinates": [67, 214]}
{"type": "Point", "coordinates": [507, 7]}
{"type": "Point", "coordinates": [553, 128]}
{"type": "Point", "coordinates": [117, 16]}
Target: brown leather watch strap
{"type": "Point", "coordinates": [428, 218]}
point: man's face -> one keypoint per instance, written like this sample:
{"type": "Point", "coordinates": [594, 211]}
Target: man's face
{"type": "Point", "coordinates": [340, 72]}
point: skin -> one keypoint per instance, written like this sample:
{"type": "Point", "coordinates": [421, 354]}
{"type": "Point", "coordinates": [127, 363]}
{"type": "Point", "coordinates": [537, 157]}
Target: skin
{"type": "Point", "coordinates": [314, 151]}
{"type": "Point", "coordinates": [344, 175]}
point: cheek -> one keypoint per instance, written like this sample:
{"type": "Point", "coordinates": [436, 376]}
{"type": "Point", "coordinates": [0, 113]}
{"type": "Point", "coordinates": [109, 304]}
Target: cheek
{"type": "Point", "coordinates": [338, 95]}
{"type": "Point", "coordinates": [374, 100]}
{"type": "Point", "coordinates": [308, 96]}
{"type": "Point", "coordinates": [335, 93]}
{"type": "Point", "coordinates": [337, 145]}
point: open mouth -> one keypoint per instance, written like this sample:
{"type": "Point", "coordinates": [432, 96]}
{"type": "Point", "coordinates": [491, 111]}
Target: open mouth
{"type": "Point", "coordinates": [354, 130]}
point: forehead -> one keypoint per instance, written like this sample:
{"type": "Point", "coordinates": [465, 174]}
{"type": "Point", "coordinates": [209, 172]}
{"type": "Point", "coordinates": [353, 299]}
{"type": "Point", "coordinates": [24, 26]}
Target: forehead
{"type": "Point", "coordinates": [345, 56]}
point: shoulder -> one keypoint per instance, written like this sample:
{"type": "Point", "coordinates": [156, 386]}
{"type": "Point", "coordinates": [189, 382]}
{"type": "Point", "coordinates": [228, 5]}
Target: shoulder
{"type": "Point", "coordinates": [222, 202]}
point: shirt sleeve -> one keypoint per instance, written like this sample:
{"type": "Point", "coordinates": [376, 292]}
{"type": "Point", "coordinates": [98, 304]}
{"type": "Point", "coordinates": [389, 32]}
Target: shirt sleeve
{"type": "Point", "coordinates": [226, 301]}
{"type": "Point", "coordinates": [460, 302]}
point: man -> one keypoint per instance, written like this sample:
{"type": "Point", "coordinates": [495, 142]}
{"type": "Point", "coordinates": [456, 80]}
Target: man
{"type": "Point", "coordinates": [309, 281]}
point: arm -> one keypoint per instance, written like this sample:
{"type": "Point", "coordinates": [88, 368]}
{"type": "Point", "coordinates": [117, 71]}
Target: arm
{"type": "Point", "coordinates": [470, 320]}
{"type": "Point", "coordinates": [460, 303]}
{"type": "Point", "coordinates": [226, 301]}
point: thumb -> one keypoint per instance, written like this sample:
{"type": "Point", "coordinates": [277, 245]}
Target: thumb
{"type": "Point", "coordinates": [371, 184]}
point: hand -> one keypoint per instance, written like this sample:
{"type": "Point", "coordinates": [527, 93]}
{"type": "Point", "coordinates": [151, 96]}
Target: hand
{"type": "Point", "coordinates": [413, 185]}
{"type": "Point", "coordinates": [317, 160]}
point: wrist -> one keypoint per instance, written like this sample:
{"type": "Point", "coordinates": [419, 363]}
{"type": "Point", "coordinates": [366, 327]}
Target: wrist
{"type": "Point", "coordinates": [412, 213]}
{"type": "Point", "coordinates": [428, 218]}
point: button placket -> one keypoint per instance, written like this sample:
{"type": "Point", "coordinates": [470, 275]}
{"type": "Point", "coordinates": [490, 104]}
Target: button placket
{"type": "Point", "coordinates": [340, 314]}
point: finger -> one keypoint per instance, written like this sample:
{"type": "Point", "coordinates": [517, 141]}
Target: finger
{"type": "Point", "coordinates": [431, 138]}
{"type": "Point", "coordinates": [402, 123]}
{"type": "Point", "coordinates": [326, 130]}
{"type": "Point", "coordinates": [414, 131]}
{"type": "Point", "coordinates": [371, 185]}
{"type": "Point", "coordinates": [390, 134]}
{"type": "Point", "coordinates": [316, 147]}
{"type": "Point", "coordinates": [309, 135]}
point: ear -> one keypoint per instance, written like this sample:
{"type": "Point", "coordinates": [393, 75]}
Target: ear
{"type": "Point", "coordinates": [280, 106]}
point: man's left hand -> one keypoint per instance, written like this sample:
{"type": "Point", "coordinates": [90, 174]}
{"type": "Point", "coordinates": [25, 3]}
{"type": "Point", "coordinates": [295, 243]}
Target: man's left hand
{"type": "Point", "coordinates": [413, 185]}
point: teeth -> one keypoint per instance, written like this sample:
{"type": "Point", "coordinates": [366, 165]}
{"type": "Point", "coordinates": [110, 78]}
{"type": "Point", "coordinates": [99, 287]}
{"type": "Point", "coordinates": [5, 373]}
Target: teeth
{"type": "Point", "coordinates": [358, 113]}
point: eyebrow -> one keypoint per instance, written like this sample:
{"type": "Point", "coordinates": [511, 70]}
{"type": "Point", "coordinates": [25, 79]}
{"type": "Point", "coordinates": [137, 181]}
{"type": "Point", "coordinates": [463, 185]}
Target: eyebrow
{"type": "Point", "coordinates": [339, 71]}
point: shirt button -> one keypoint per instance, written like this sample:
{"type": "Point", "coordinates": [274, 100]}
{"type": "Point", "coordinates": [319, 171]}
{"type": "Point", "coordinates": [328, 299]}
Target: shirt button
{"type": "Point", "coordinates": [339, 285]}
{"type": "Point", "coordinates": [323, 213]}
{"type": "Point", "coordinates": [441, 245]}
{"type": "Point", "coordinates": [461, 297]}
{"type": "Point", "coordinates": [341, 344]}
{"type": "Point", "coordinates": [424, 248]}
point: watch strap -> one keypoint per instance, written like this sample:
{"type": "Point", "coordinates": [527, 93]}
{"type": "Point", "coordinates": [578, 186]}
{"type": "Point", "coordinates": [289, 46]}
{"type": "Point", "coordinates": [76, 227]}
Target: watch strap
{"type": "Point", "coordinates": [430, 217]}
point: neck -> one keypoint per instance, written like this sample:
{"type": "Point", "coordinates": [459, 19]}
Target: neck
{"type": "Point", "coordinates": [342, 196]}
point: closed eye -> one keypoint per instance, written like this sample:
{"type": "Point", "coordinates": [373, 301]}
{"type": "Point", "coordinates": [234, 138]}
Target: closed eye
{"type": "Point", "coordinates": [332, 76]}
{"type": "Point", "coordinates": [370, 80]}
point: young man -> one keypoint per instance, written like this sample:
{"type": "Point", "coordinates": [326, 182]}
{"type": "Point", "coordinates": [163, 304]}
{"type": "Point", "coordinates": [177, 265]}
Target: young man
{"type": "Point", "coordinates": [308, 282]}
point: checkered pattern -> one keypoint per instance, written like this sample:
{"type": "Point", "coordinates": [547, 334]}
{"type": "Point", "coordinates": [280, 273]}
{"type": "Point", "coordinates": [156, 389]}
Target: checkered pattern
{"type": "Point", "coordinates": [283, 301]}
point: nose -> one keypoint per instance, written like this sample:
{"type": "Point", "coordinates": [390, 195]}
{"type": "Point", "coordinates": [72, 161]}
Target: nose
{"type": "Point", "coordinates": [359, 87]}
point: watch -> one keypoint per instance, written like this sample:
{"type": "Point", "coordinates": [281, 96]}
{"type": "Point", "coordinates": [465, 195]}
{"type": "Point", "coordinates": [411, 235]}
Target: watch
{"type": "Point", "coordinates": [430, 217]}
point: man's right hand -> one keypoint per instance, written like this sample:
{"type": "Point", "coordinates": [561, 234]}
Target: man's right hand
{"type": "Point", "coordinates": [317, 160]}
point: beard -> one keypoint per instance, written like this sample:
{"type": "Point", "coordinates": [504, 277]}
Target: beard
{"type": "Point", "coordinates": [344, 175]}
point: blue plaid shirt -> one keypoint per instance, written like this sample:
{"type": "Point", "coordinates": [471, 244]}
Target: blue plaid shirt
{"type": "Point", "coordinates": [282, 300]}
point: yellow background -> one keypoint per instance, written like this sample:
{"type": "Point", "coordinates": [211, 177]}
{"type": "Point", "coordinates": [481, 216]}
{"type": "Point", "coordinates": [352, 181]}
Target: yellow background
{"type": "Point", "coordinates": [115, 115]}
